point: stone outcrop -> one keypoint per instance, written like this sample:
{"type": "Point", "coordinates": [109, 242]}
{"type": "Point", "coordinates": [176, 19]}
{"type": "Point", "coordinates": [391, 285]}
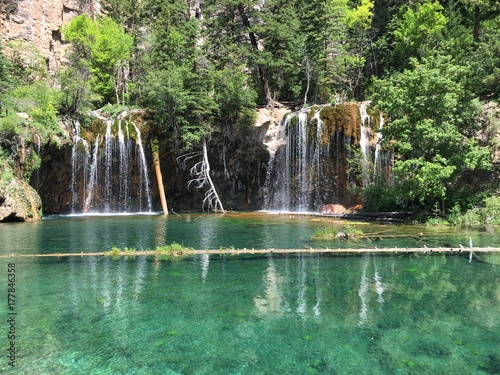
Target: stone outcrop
{"type": "Point", "coordinates": [18, 201]}
{"type": "Point", "coordinates": [37, 24]}
{"type": "Point", "coordinates": [333, 209]}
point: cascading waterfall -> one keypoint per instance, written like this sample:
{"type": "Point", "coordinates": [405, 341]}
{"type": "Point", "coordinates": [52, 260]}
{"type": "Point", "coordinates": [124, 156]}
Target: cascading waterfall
{"type": "Point", "coordinates": [143, 171]}
{"type": "Point", "coordinates": [115, 177]}
{"type": "Point", "coordinates": [108, 152]}
{"type": "Point", "coordinates": [123, 201]}
{"type": "Point", "coordinates": [303, 161]}
{"type": "Point", "coordinates": [78, 162]}
{"type": "Point", "coordinates": [315, 163]}
{"type": "Point", "coordinates": [364, 143]}
{"type": "Point", "coordinates": [377, 165]}
{"type": "Point", "coordinates": [93, 177]}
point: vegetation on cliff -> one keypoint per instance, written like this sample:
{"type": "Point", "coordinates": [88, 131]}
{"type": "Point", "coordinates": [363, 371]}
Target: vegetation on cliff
{"type": "Point", "coordinates": [431, 65]}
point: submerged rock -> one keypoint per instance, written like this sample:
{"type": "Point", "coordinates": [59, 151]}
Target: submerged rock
{"type": "Point", "coordinates": [19, 201]}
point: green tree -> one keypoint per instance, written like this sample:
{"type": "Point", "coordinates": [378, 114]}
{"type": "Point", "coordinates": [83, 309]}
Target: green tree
{"type": "Point", "coordinates": [180, 80]}
{"type": "Point", "coordinates": [418, 32]}
{"type": "Point", "coordinates": [283, 44]}
{"type": "Point", "coordinates": [359, 24]}
{"type": "Point", "coordinates": [131, 15]}
{"type": "Point", "coordinates": [107, 48]}
{"type": "Point", "coordinates": [232, 27]}
{"type": "Point", "coordinates": [432, 128]}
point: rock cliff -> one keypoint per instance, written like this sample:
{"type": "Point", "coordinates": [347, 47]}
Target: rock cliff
{"type": "Point", "coordinates": [19, 201]}
{"type": "Point", "coordinates": [26, 24]}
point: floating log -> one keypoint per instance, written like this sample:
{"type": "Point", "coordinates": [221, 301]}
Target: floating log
{"type": "Point", "coordinates": [395, 250]}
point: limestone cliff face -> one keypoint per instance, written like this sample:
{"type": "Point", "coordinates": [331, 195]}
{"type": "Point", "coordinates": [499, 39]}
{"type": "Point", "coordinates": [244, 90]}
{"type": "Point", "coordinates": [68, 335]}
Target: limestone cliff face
{"type": "Point", "coordinates": [37, 23]}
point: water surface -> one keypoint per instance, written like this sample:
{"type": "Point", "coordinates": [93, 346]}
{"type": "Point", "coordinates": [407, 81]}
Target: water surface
{"type": "Point", "coordinates": [274, 314]}
{"type": "Point", "coordinates": [211, 231]}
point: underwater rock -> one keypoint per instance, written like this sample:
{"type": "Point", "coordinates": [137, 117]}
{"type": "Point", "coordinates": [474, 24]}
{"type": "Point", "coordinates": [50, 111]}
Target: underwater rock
{"type": "Point", "coordinates": [18, 201]}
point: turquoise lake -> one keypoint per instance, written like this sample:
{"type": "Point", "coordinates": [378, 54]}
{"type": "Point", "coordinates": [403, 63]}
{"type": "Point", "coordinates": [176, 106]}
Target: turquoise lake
{"type": "Point", "coordinates": [253, 314]}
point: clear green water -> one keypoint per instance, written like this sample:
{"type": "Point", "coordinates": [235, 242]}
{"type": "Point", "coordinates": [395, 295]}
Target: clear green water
{"type": "Point", "coordinates": [210, 231]}
{"type": "Point", "coordinates": [296, 314]}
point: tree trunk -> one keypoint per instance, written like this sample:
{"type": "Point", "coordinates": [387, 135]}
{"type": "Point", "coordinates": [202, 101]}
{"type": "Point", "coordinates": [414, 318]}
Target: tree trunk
{"type": "Point", "coordinates": [159, 177]}
{"type": "Point", "coordinates": [476, 23]}
{"type": "Point", "coordinates": [209, 179]}
{"type": "Point", "coordinates": [253, 41]}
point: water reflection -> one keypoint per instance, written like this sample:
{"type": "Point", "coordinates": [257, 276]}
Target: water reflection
{"type": "Point", "coordinates": [363, 292]}
{"type": "Point", "coordinates": [317, 306]}
{"type": "Point", "coordinates": [140, 271]}
{"type": "Point", "coordinates": [260, 313]}
{"type": "Point", "coordinates": [211, 231]}
{"type": "Point", "coordinates": [205, 263]}
{"type": "Point", "coordinates": [301, 285]}
{"type": "Point", "coordinates": [271, 303]}
{"type": "Point", "coordinates": [372, 284]}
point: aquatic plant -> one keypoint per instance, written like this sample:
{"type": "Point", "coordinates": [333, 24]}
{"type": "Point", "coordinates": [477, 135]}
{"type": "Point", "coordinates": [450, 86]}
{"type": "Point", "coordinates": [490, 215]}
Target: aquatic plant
{"type": "Point", "coordinates": [327, 232]}
{"type": "Point", "coordinates": [114, 251]}
{"type": "Point", "coordinates": [174, 249]}
{"type": "Point", "coordinates": [332, 232]}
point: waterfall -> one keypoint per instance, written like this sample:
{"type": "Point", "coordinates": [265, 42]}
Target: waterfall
{"type": "Point", "coordinates": [115, 177]}
{"type": "Point", "coordinates": [364, 143]}
{"type": "Point", "coordinates": [301, 162]}
{"type": "Point", "coordinates": [93, 177]}
{"type": "Point", "coordinates": [79, 161]}
{"type": "Point", "coordinates": [144, 170]}
{"type": "Point", "coordinates": [377, 165]}
{"type": "Point", "coordinates": [108, 152]}
{"type": "Point", "coordinates": [124, 198]}
{"type": "Point", "coordinates": [315, 162]}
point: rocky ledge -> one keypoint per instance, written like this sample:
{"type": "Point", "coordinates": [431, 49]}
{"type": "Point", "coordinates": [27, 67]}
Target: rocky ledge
{"type": "Point", "coordinates": [19, 201]}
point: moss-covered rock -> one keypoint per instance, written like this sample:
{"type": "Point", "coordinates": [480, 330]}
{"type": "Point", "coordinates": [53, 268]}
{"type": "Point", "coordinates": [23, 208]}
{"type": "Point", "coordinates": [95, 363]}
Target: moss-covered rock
{"type": "Point", "coordinates": [343, 117]}
{"type": "Point", "coordinates": [18, 201]}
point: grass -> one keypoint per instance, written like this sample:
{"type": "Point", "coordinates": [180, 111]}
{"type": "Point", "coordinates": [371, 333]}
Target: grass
{"type": "Point", "coordinates": [171, 249]}
{"type": "Point", "coordinates": [347, 231]}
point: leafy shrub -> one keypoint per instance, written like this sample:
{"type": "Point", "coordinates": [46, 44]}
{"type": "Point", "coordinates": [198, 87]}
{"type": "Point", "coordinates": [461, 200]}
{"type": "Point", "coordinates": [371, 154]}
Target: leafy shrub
{"type": "Point", "coordinates": [327, 232]}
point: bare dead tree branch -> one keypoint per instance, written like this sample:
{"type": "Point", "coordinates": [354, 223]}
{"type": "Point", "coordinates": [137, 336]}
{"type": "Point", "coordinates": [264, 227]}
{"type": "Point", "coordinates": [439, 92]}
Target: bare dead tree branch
{"type": "Point", "coordinates": [201, 178]}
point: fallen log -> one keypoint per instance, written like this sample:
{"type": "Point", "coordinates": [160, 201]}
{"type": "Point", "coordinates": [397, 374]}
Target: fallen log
{"type": "Point", "coordinates": [394, 250]}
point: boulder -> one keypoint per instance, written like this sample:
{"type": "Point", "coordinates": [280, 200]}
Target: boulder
{"type": "Point", "coordinates": [18, 201]}
{"type": "Point", "coordinates": [333, 209]}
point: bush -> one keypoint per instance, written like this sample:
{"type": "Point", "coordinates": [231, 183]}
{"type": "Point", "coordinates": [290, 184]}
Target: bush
{"type": "Point", "coordinates": [380, 197]}
{"type": "Point", "coordinates": [489, 213]}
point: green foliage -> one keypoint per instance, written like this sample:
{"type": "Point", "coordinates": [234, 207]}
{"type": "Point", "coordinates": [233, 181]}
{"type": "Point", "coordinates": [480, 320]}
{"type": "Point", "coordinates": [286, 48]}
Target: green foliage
{"type": "Point", "coordinates": [433, 122]}
{"type": "Point", "coordinates": [352, 231]}
{"type": "Point", "coordinates": [7, 173]}
{"type": "Point", "coordinates": [381, 197]}
{"type": "Point", "coordinates": [115, 251]}
{"type": "Point", "coordinates": [347, 230]}
{"type": "Point", "coordinates": [283, 56]}
{"type": "Point", "coordinates": [174, 248]}
{"type": "Point", "coordinates": [326, 232]}
{"type": "Point", "coordinates": [5, 73]}
{"type": "Point", "coordinates": [418, 32]}
{"type": "Point", "coordinates": [101, 49]}
{"type": "Point", "coordinates": [27, 64]}
{"type": "Point", "coordinates": [486, 213]}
